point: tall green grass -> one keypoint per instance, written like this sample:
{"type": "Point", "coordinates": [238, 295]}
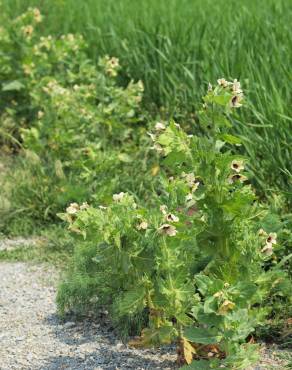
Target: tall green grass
{"type": "Point", "coordinates": [177, 46]}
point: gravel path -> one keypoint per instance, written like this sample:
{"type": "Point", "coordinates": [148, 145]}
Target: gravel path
{"type": "Point", "coordinates": [32, 337]}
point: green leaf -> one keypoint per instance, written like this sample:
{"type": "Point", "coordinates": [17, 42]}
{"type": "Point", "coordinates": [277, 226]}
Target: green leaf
{"type": "Point", "coordinates": [174, 158]}
{"type": "Point", "coordinates": [154, 336]}
{"type": "Point", "coordinates": [221, 99]}
{"type": "Point", "coordinates": [210, 319]}
{"type": "Point", "coordinates": [203, 336]}
{"type": "Point", "coordinates": [13, 86]}
{"type": "Point", "coordinates": [231, 139]}
{"type": "Point", "coordinates": [210, 305]}
{"type": "Point", "coordinates": [203, 282]}
{"type": "Point", "coordinates": [208, 285]}
{"type": "Point", "coordinates": [132, 301]}
{"type": "Point", "coordinates": [243, 292]}
{"type": "Point", "coordinates": [165, 139]}
{"type": "Point", "coordinates": [238, 203]}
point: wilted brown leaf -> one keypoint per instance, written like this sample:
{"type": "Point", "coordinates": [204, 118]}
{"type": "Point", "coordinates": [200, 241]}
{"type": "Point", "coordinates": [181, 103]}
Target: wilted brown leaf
{"type": "Point", "coordinates": [185, 351]}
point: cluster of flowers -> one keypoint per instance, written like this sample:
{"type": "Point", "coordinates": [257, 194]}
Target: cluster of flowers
{"type": "Point", "coordinates": [72, 211]}
{"type": "Point", "coordinates": [44, 43]}
{"type": "Point", "coordinates": [234, 88]}
{"type": "Point", "coordinates": [192, 182]}
{"type": "Point", "coordinates": [74, 208]}
{"type": "Point", "coordinates": [73, 41]}
{"type": "Point", "coordinates": [111, 65]}
{"type": "Point", "coordinates": [237, 167]}
{"type": "Point", "coordinates": [33, 15]}
{"type": "Point", "coordinates": [166, 228]}
{"type": "Point", "coordinates": [69, 98]}
{"type": "Point", "coordinates": [68, 44]}
{"type": "Point", "coordinates": [54, 88]}
{"type": "Point", "coordinates": [159, 128]}
{"type": "Point", "coordinates": [28, 68]}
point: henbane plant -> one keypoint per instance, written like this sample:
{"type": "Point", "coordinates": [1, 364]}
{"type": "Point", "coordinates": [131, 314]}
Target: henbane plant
{"type": "Point", "coordinates": [193, 263]}
{"type": "Point", "coordinates": [72, 124]}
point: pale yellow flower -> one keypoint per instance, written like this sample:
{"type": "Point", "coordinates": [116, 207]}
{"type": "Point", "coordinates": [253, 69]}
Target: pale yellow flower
{"type": "Point", "coordinates": [236, 88]}
{"type": "Point", "coordinates": [262, 232]}
{"type": "Point", "coordinates": [272, 238]}
{"type": "Point", "coordinates": [27, 30]}
{"type": "Point", "coordinates": [70, 37]}
{"type": "Point", "coordinates": [191, 181]}
{"type": "Point", "coordinates": [28, 68]}
{"type": "Point", "coordinates": [171, 218]}
{"type": "Point", "coordinates": [222, 82]}
{"type": "Point", "coordinates": [140, 85]}
{"type": "Point", "coordinates": [114, 62]}
{"type": "Point", "coordinates": [237, 177]}
{"type": "Point", "coordinates": [190, 178]}
{"type": "Point", "coordinates": [112, 72]}
{"type": "Point", "coordinates": [225, 307]}
{"type": "Point", "coordinates": [167, 230]}
{"type": "Point", "coordinates": [237, 166]}
{"type": "Point", "coordinates": [235, 101]}
{"type": "Point", "coordinates": [118, 197]}
{"type": "Point", "coordinates": [159, 126]}
{"type": "Point", "coordinates": [40, 114]}
{"type": "Point", "coordinates": [142, 226]}
{"type": "Point", "coordinates": [111, 66]}
{"type": "Point", "coordinates": [72, 209]}
{"type": "Point", "coordinates": [268, 249]}
{"type": "Point", "coordinates": [218, 294]}
{"type": "Point", "coordinates": [37, 15]}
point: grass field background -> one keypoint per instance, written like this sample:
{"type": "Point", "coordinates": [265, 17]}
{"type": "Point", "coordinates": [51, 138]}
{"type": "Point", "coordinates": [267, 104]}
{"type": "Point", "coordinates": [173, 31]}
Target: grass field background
{"type": "Point", "coordinates": [176, 46]}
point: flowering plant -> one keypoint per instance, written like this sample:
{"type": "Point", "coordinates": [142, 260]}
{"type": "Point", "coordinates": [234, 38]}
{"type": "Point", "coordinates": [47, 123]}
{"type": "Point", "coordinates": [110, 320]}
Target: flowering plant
{"type": "Point", "coordinates": [70, 114]}
{"type": "Point", "coordinates": [194, 262]}
{"type": "Point", "coordinates": [86, 126]}
{"type": "Point", "coordinates": [17, 39]}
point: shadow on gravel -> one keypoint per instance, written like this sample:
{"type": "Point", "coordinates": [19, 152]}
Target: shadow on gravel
{"type": "Point", "coordinates": [105, 360]}
{"type": "Point", "coordinates": [77, 332]}
{"type": "Point", "coordinates": [90, 345]}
